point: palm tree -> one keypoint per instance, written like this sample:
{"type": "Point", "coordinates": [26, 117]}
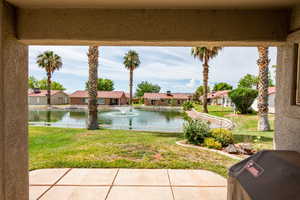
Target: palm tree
{"type": "Point", "coordinates": [50, 62]}
{"type": "Point", "coordinates": [263, 86]}
{"type": "Point", "coordinates": [93, 55]}
{"type": "Point", "coordinates": [131, 62]}
{"type": "Point", "coordinates": [205, 54]}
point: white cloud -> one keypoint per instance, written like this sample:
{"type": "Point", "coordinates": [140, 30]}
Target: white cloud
{"type": "Point", "coordinates": [191, 84]}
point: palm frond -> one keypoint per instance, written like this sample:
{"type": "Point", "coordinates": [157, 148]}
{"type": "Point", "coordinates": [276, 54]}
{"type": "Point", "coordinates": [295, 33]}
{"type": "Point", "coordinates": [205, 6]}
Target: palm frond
{"type": "Point", "coordinates": [49, 61]}
{"type": "Point", "coordinates": [131, 60]}
{"type": "Point", "coordinates": [202, 52]}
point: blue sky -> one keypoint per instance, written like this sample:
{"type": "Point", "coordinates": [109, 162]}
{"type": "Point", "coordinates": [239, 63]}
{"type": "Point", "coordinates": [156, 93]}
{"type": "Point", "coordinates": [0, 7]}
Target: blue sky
{"type": "Point", "coordinates": [173, 68]}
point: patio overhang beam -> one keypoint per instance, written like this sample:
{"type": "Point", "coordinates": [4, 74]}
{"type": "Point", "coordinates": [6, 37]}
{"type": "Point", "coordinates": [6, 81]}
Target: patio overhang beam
{"type": "Point", "coordinates": [152, 27]}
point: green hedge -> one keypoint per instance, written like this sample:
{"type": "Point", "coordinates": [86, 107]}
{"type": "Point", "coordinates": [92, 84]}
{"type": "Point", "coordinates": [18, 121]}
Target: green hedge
{"type": "Point", "coordinates": [243, 98]}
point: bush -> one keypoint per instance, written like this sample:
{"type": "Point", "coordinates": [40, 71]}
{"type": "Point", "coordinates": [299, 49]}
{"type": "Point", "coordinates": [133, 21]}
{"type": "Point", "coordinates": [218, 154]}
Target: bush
{"type": "Point", "coordinates": [243, 99]}
{"type": "Point", "coordinates": [141, 101]}
{"type": "Point", "coordinates": [222, 135]}
{"type": "Point", "coordinates": [188, 105]}
{"type": "Point", "coordinates": [173, 102]}
{"type": "Point", "coordinates": [195, 131]}
{"type": "Point", "coordinates": [212, 143]}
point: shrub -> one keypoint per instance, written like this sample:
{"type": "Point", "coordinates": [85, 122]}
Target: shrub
{"type": "Point", "coordinates": [222, 135]}
{"type": "Point", "coordinates": [186, 117]}
{"type": "Point", "coordinates": [195, 131]}
{"type": "Point", "coordinates": [188, 105]}
{"type": "Point", "coordinates": [173, 102]}
{"type": "Point", "coordinates": [243, 99]}
{"type": "Point", "coordinates": [141, 101]}
{"type": "Point", "coordinates": [212, 143]}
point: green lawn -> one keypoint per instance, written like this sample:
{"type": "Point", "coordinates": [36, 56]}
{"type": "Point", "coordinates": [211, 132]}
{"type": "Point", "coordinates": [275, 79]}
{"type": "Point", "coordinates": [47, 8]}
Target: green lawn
{"type": "Point", "coordinates": [62, 147]}
{"type": "Point", "coordinates": [219, 111]}
{"type": "Point", "coordinates": [246, 126]}
{"type": "Point", "coordinates": [65, 147]}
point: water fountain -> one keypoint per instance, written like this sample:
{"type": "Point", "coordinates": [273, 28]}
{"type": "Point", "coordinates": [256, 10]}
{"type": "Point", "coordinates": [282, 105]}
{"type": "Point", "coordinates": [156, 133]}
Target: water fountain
{"type": "Point", "coordinates": [123, 111]}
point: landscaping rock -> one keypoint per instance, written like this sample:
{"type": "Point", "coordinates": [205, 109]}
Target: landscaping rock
{"type": "Point", "coordinates": [231, 149]}
{"type": "Point", "coordinates": [246, 148]}
{"type": "Point", "coordinates": [241, 148]}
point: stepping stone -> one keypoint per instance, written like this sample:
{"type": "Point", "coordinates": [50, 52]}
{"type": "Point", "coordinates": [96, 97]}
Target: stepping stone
{"type": "Point", "coordinates": [89, 177]}
{"type": "Point", "coordinates": [36, 191]}
{"type": "Point", "coordinates": [46, 176]}
{"type": "Point", "coordinates": [140, 193]}
{"type": "Point", "coordinates": [76, 193]}
{"type": "Point", "coordinates": [200, 193]}
{"type": "Point", "coordinates": [157, 177]}
{"type": "Point", "coordinates": [180, 177]}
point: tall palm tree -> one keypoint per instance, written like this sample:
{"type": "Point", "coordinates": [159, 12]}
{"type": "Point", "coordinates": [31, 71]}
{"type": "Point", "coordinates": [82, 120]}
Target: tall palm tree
{"type": "Point", "coordinates": [131, 62]}
{"type": "Point", "coordinates": [205, 54]}
{"type": "Point", "coordinates": [263, 86]}
{"type": "Point", "coordinates": [50, 62]}
{"type": "Point", "coordinates": [93, 55]}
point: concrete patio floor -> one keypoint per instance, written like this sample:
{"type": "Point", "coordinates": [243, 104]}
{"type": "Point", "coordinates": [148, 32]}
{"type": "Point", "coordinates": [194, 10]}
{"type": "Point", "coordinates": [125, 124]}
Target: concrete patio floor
{"type": "Point", "coordinates": [126, 184]}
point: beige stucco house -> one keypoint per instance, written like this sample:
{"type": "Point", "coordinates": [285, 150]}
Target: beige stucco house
{"type": "Point", "coordinates": [166, 99]}
{"type": "Point", "coordinates": [80, 97]}
{"type": "Point", "coordinates": [39, 97]}
{"type": "Point", "coordinates": [144, 22]}
{"type": "Point", "coordinates": [271, 100]}
{"type": "Point", "coordinates": [219, 98]}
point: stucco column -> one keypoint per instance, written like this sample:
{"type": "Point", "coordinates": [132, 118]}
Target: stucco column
{"type": "Point", "coordinates": [13, 109]}
{"type": "Point", "coordinates": [287, 123]}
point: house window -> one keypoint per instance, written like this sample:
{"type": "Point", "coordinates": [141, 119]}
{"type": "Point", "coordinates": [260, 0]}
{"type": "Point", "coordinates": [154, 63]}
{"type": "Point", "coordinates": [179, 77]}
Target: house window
{"type": "Point", "coordinates": [101, 101]}
{"type": "Point", "coordinates": [114, 101]}
{"type": "Point", "coordinates": [85, 100]}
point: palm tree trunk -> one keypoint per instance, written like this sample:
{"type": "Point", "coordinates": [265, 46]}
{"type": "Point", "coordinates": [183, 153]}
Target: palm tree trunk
{"type": "Point", "coordinates": [130, 86]}
{"type": "Point", "coordinates": [92, 88]}
{"type": "Point", "coordinates": [205, 86]}
{"type": "Point", "coordinates": [49, 88]}
{"type": "Point", "coordinates": [263, 86]}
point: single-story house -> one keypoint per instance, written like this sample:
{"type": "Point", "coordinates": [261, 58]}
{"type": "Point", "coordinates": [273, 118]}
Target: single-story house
{"type": "Point", "coordinates": [219, 98]}
{"type": "Point", "coordinates": [134, 99]}
{"type": "Point", "coordinates": [166, 99]}
{"type": "Point", "coordinates": [39, 97]}
{"type": "Point", "coordinates": [271, 100]}
{"type": "Point", "coordinates": [80, 97]}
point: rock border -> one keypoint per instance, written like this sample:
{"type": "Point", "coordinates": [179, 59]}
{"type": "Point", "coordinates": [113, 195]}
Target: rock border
{"type": "Point", "coordinates": [181, 143]}
{"type": "Point", "coordinates": [222, 122]}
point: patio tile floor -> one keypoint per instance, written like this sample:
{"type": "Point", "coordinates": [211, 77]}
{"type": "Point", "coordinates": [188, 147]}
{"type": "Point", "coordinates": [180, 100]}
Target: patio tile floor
{"type": "Point", "coordinates": [126, 184]}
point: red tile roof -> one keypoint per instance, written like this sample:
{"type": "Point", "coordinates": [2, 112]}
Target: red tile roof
{"type": "Point", "coordinates": [218, 94]}
{"type": "Point", "coordinates": [223, 93]}
{"type": "Point", "coordinates": [42, 93]}
{"type": "Point", "coordinates": [101, 94]}
{"type": "Point", "coordinates": [272, 90]}
{"type": "Point", "coordinates": [165, 96]}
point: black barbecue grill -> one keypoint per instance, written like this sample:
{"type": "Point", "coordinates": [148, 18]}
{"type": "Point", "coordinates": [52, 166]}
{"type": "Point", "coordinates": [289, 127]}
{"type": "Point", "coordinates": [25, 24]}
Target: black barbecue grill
{"type": "Point", "coordinates": [267, 175]}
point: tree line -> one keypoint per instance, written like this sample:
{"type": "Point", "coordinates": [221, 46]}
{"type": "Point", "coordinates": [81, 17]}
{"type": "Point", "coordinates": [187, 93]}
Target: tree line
{"type": "Point", "coordinates": [52, 62]}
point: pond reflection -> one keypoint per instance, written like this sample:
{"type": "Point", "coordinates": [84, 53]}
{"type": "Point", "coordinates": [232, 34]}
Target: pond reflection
{"type": "Point", "coordinates": [170, 121]}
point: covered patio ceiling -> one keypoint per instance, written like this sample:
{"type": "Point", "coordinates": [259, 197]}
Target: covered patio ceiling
{"type": "Point", "coordinates": [156, 4]}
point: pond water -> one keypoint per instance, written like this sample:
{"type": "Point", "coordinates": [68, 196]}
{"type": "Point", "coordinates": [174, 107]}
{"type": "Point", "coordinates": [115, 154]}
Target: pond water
{"type": "Point", "coordinates": [122, 118]}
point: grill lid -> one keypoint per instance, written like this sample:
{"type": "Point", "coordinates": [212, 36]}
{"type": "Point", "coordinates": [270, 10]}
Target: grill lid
{"type": "Point", "coordinates": [269, 175]}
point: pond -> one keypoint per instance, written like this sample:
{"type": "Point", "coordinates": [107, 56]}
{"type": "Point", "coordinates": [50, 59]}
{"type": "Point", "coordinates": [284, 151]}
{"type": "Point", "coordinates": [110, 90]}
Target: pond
{"type": "Point", "coordinates": [121, 118]}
